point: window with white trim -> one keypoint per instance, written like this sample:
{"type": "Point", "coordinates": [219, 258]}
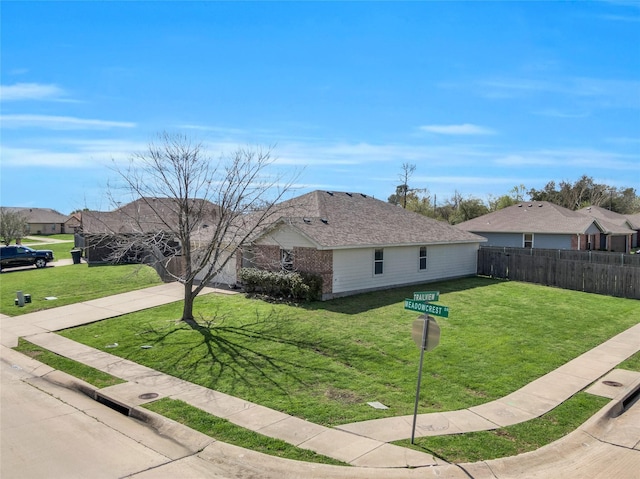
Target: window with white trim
{"type": "Point", "coordinates": [378, 261]}
{"type": "Point", "coordinates": [422, 258]}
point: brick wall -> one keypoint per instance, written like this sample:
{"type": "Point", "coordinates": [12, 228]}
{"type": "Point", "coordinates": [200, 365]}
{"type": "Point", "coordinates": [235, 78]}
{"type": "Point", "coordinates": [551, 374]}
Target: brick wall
{"type": "Point", "coordinates": [311, 260]}
{"type": "Point", "coordinates": [266, 257]}
{"type": "Point", "coordinates": [307, 260]}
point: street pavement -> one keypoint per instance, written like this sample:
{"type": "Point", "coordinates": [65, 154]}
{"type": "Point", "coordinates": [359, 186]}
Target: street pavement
{"type": "Point", "coordinates": [363, 445]}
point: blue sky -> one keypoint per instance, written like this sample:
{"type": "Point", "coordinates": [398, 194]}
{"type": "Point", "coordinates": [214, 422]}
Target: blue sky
{"type": "Point", "coordinates": [480, 96]}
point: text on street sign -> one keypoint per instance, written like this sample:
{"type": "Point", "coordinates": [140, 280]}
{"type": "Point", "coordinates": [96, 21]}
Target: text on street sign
{"type": "Point", "coordinates": [426, 296]}
{"type": "Point", "coordinates": [427, 308]}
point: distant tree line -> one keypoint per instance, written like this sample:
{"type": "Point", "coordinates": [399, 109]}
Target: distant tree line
{"type": "Point", "coordinates": [456, 209]}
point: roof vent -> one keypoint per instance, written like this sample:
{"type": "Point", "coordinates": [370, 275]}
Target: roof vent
{"type": "Point", "coordinates": [307, 220]}
{"type": "Point", "coordinates": [349, 195]}
{"type": "Point", "coordinates": [520, 205]}
{"type": "Point", "coordinates": [330, 193]}
{"type": "Point", "coordinates": [324, 220]}
{"type": "Point", "coordinates": [363, 195]}
{"type": "Point", "coordinates": [540, 205]}
{"type": "Point", "coordinates": [530, 205]}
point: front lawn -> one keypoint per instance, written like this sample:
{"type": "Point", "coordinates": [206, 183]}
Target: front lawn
{"type": "Point", "coordinates": [70, 284]}
{"type": "Point", "coordinates": [325, 361]}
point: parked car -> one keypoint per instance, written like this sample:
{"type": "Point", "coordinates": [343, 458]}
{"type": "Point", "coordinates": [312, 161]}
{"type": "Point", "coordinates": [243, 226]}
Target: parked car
{"type": "Point", "coordinates": [13, 256]}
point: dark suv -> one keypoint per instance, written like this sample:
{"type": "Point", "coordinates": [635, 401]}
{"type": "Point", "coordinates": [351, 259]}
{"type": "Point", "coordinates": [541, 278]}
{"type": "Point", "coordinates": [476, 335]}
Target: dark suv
{"type": "Point", "coordinates": [12, 256]}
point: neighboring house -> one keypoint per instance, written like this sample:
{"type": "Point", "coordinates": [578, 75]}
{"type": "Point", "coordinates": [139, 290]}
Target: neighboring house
{"type": "Point", "coordinates": [138, 224]}
{"type": "Point", "coordinates": [540, 224]}
{"type": "Point", "coordinates": [631, 222]}
{"type": "Point", "coordinates": [634, 219]}
{"type": "Point", "coordinates": [73, 223]}
{"type": "Point", "coordinates": [358, 243]}
{"type": "Point", "coordinates": [41, 221]}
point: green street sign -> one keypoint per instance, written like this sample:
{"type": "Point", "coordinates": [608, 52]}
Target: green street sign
{"type": "Point", "coordinates": [426, 296]}
{"type": "Point", "coordinates": [426, 308]}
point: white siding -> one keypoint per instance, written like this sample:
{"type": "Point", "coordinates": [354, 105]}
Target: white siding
{"type": "Point", "coordinates": [286, 238]}
{"type": "Point", "coordinates": [226, 277]}
{"type": "Point", "coordinates": [353, 268]}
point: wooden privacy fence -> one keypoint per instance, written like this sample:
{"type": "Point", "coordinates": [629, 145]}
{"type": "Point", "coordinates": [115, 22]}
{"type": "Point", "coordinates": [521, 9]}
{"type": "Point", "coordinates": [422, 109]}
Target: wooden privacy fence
{"type": "Point", "coordinates": [612, 274]}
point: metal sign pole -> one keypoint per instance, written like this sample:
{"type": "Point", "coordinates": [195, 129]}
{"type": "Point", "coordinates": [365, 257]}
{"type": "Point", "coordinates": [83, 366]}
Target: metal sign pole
{"type": "Point", "coordinates": [425, 330]}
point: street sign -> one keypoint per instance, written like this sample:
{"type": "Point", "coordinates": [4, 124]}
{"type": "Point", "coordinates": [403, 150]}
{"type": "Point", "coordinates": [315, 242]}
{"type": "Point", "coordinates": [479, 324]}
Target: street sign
{"type": "Point", "coordinates": [426, 308]}
{"type": "Point", "coordinates": [428, 339]}
{"type": "Point", "coordinates": [426, 296]}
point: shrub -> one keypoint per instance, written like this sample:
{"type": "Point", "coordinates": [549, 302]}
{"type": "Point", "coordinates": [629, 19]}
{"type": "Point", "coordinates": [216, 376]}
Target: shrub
{"type": "Point", "coordinates": [300, 286]}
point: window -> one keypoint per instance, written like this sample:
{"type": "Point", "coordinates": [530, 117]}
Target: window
{"type": "Point", "coordinates": [528, 240]}
{"type": "Point", "coordinates": [423, 258]}
{"type": "Point", "coordinates": [286, 259]}
{"type": "Point", "coordinates": [378, 261]}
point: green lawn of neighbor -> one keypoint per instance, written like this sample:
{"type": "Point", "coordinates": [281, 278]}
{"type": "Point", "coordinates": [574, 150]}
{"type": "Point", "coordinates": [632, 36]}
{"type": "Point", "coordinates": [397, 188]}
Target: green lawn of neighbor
{"type": "Point", "coordinates": [70, 284]}
{"type": "Point", "coordinates": [324, 361]}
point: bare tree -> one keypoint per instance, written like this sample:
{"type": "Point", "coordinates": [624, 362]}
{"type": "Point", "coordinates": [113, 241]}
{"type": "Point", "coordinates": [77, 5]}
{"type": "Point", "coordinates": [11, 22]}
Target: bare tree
{"type": "Point", "coordinates": [191, 207]}
{"type": "Point", "coordinates": [13, 226]}
{"type": "Point", "coordinates": [404, 194]}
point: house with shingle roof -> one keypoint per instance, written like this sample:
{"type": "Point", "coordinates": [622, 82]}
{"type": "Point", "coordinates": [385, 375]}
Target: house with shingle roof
{"type": "Point", "coordinates": [609, 217]}
{"type": "Point", "coordinates": [358, 243]}
{"type": "Point", "coordinates": [540, 224]}
{"type": "Point", "coordinates": [138, 221]}
{"type": "Point", "coordinates": [41, 221]}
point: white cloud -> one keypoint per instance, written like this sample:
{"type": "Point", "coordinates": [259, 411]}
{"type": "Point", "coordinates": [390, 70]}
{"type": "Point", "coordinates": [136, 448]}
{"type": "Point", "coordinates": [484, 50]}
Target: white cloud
{"type": "Point", "coordinates": [70, 153]}
{"type": "Point", "coordinates": [30, 91]}
{"type": "Point", "coordinates": [60, 122]}
{"type": "Point", "coordinates": [214, 129]}
{"type": "Point", "coordinates": [555, 113]}
{"type": "Point", "coordinates": [345, 154]}
{"type": "Point", "coordinates": [570, 158]}
{"type": "Point", "coordinates": [607, 93]}
{"type": "Point", "coordinates": [26, 157]}
{"type": "Point", "coordinates": [463, 129]}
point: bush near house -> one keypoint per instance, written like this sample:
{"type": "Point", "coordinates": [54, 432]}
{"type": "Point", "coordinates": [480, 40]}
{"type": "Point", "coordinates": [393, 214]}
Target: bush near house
{"type": "Point", "coordinates": [282, 284]}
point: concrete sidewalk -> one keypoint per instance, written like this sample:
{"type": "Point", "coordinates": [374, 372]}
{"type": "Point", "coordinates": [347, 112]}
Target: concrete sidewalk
{"type": "Point", "coordinates": [359, 444]}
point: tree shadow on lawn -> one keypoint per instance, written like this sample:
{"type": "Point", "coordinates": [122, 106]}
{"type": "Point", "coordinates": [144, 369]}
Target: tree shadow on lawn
{"type": "Point", "coordinates": [229, 353]}
{"type": "Point", "coordinates": [364, 302]}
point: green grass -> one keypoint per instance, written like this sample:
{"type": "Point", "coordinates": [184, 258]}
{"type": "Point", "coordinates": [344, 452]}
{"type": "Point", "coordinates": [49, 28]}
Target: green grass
{"type": "Point", "coordinates": [512, 440]}
{"type": "Point", "coordinates": [632, 364]}
{"type": "Point", "coordinates": [88, 374]}
{"type": "Point", "coordinates": [324, 361]}
{"type": "Point", "coordinates": [60, 250]}
{"type": "Point", "coordinates": [70, 284]}
{"type": "Point", "coordinates": [227, 432]}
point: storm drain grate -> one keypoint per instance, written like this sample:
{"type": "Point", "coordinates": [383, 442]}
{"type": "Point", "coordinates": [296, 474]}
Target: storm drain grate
{"type": "Point", "coordinates": [631, 400]}
{"type": "Point", "coordinates": [113, 405]}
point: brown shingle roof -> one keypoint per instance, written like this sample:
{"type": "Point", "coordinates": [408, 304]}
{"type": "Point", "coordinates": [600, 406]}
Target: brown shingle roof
{"type": "Point", "coordinates": [612, 221]}
{"type": "Point", "coordinates": [145, 215]}
{"type": "Point", "coordinates": [39, 215]}
{"type": "Point", "coordinates": [346, 220]}
{"type": "Point", "coordinates": [530, 217]}
{"type": "Point", "coordinates": [634, 220]}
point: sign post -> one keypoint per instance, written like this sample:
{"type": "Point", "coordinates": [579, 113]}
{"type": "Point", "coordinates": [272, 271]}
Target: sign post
{"type": "Point", "coordinates": [426, 334]}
